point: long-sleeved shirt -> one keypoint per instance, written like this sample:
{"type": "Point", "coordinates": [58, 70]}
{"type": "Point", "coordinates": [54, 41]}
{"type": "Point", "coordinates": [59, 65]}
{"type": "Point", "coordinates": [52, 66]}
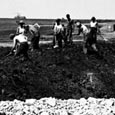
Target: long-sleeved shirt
{"type": "Point", "coordinates": [20, 30]}
{"type": "Point", "coordinates": [19, 39]}
{"type": "Point", "coordinates": [34, 29]}
{"type": "Point", "coordinates": [83, 29]}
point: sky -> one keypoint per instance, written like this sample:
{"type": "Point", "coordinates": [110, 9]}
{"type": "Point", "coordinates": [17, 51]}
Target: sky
{"type": "Point", "coordinates": [78, 9]}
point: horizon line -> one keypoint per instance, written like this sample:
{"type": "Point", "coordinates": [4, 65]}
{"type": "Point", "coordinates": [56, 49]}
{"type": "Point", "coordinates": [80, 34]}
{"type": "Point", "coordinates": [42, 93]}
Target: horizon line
{"type": "Point", "coordinates": [56, 18]}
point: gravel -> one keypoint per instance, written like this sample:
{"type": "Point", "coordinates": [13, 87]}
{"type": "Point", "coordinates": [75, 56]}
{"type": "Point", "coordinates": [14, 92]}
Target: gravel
{"type": "Point", "coordinates": [53, 106]}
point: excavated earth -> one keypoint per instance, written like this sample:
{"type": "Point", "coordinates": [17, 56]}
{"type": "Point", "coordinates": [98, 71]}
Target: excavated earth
{"type": "Point", "coordinates": [62, 74]}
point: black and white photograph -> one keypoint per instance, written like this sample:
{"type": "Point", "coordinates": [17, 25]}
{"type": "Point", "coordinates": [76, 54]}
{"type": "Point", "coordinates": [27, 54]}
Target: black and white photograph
{"type": "Point", "coordinates": [57, 57]}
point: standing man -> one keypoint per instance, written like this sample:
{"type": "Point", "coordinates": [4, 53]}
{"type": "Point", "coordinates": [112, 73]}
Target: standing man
{"type": "Point", "coordinates": [20, 28]}
{"type": "Point", "coordinates": [69, 29]}
{"type": "Point", "coordinates": [54, 35]}
{"type": "Point", "coordinates": [58, 29]}
{"type": "Point", "coordinates": [93, 32]}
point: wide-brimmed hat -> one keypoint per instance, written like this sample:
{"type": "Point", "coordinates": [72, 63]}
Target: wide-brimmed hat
{"type": "Point", "coordinates": [21, 22]}
{"type": "Point", "coordinates": [78, 24]}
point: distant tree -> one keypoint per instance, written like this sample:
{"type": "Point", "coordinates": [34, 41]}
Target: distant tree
{"type": "Point", "coordinates": [19, 17]}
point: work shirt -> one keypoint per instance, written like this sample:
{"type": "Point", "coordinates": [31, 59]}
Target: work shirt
{"type": "Point", "coordinates": [34, 29]}
{"type": "Point", "coordinates": [58, 29]}
{"type": "Point", "coordinates": [19, 39]}
{"type": "Point", "coordinates": [85, 30]}
{"type": "Point", "coordinates": [93, 24]}
{"type": "Point", "coordinates": [20, 30]}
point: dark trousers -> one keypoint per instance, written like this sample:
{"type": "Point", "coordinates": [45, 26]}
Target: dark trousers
{"type": "Point", "coordinates": [69, 35]}
{"type": "Point", "coordinates": [22, 49]}
{"type": "Point", "coordinates": [93, 35]}
{"type": "Point", "coordinates": [64, 37]}
{"type": "Point", "coordinates": [90, 43]}
{"type": "Point", "coordinates": [35, 42]}
{"type": "Point", "coordinates": [54, 40]}
{"type": "Point", "coordinates": [59, 39]}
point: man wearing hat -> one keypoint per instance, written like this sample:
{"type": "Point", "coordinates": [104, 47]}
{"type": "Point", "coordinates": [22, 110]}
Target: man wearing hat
{"type": "Point", "coordinates": [89, 41]}
{"type": "Point", "coordinates": [85, 31]}
{"type": "Point", "coordinates": [20, 28]}
{"type": "Point", "coordinates": [58, 29]}
{"type": "Point", "coordinates": [34, 30]}
{"type": "Point", "coordinates": [20, 45]}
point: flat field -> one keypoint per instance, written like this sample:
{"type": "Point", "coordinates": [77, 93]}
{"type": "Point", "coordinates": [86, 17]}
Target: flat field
{"type": "Point", "coordinates": [67, 73]}
{"type": "Point", "coordinates": [8, 26]}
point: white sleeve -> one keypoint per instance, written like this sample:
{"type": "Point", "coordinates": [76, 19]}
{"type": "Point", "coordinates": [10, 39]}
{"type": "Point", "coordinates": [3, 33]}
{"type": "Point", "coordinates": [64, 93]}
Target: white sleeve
{"type": "Point", "coordinates": [17, 30]}
{"type": "Point", "coordinates": [55, 29]}
{"type": "Point", "coordinates": [62, 28]}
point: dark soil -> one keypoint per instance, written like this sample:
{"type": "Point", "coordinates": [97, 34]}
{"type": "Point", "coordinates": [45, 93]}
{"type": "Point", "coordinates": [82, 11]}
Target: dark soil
{"type": "Point", "coordinates": [67, 73]}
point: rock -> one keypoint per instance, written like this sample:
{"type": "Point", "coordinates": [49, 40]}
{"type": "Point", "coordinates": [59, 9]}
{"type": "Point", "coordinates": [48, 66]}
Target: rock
{"type": "Point", "coordinates": [44, 113]}
{"type": "Point", "coordinates": [19, 113]}
{"type": "Point", "coordinates": [92, 100]}
{"type": "Point", "coordinates": [61, 112]}
{"type": "Point", "coordinates": [109, 102]}
{"type": "Point", "coordinates": [83, 101]}
{"type": "Point", "coordinates": [51, 101]}
{"type": "Point", "coordinates": [64, 112]}
{"type": "Point", "coordinates": [30, 101]}
{"type": "Point", "coordinates": [76, 113]}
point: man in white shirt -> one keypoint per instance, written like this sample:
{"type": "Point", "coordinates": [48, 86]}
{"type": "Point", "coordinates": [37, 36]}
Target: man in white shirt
{"type": "Point", "coordinates": [82, 29]}
{"type": "Point", "coordinates": [20, 45]}
{"type": "Point", "coordinates": [93, 32]}
{"type": "Point", "coordinates": [85, 31]}
{"type": "Point", "coordinates": [58, 29]}
{"type": "Point", "coordinates": [89, 36]}
{"type": "Point", "coordinates": [20, 28]}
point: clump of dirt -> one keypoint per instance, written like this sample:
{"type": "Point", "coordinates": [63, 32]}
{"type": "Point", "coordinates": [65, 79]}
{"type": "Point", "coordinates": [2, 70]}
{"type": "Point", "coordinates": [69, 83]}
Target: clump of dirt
{"type": "Point", "coordinates": [67, 73]}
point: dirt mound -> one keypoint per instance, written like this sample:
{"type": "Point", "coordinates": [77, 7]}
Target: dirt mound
{"type": "Point", "coordinates": [64, 74]}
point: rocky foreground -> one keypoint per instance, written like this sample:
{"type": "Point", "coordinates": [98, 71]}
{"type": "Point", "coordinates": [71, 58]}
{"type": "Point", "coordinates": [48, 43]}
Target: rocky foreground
{"type": "Point", "coordinates": [53, 106]}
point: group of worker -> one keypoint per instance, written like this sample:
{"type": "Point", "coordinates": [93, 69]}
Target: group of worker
{"type": "Point", "coordinates": [20, 39]}
{"type": "Point", "coordinates": [89, 34]}
{"type": "Point", "coordinates": [61, 33]}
